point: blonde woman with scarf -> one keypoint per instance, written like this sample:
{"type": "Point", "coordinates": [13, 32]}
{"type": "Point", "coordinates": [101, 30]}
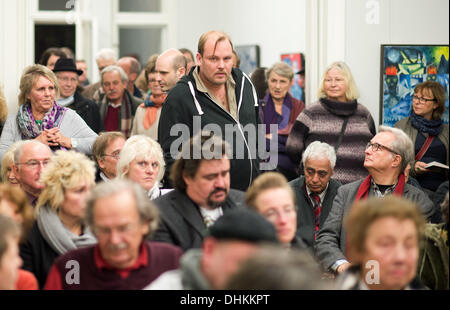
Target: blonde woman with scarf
{"type": "Point", "coordinates": [147, 114]}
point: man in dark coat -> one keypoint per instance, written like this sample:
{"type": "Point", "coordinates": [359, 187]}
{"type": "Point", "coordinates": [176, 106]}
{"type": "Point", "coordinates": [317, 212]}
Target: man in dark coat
{"type": "Point", "coordinates": [67, 74]}
{"type": "Point", "coordinates": [319, 160]}
{"type": "Point", "coordinates": [202, 193]}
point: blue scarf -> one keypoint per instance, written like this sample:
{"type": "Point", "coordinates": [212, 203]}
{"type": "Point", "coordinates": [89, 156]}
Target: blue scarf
{"type": "Point", "coordinates": [431, 127]}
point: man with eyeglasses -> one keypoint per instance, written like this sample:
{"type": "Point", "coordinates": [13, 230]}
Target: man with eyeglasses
{"type": "Point", "coordinates": [120, 216]}
{"type": "Point", "coordinates": [106, 150]}
{"type": "Point", "coordinates": [67, 75]}
{"type": "Point", "coordinates": [386, 158]}
{"type": "Point", "coordinates": [315, 190]}
{"type": "Point", "coordinates": [30, 159]}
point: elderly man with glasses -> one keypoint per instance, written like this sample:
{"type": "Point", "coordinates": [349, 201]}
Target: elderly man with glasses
{"type": "Point", "coordinates": [30, 158]}
{"type": "Point", "coordinates": [386, 157]}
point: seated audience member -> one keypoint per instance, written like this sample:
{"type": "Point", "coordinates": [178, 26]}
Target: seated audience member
{"type": "Point", "coordinates": [7, 171]}
{"type": "Point", "coordinates": [202, 192]}
{"type": "Point", "coordinates": [106, 151]}
{"type": "Point", "coordinates": [190, 60]}
{"type": "Point", "coordinates": [383, 245]}
{"type": "Point", "coordinates": [272, 269]}
{"type": "Point", "coordinates": [439, 195]}
{"type": "Point", "coordinates": [10, 261]}
{"type": "Point", "coordinates": [59, 227]}
{"type": "Point", "coordinates": [429, 134]}
{"type": "Point", "coordinates": [104, 58]}
{"type": "Point", "coordinates": [67, 75]}
{"type": "Point", "coordinates": [51, 56]}
{"type": "Point", "coordinates": [120, 216]}
{"type": "Point", "coordinates": [281, 109]}
{"type": "Point", "coordinates": [315, 190]}
{"type": "Point", "coordinates": [141, 161]}
{"type": "Point", "coordinates": [41, 118]}
{"type": "Point", "coordinates": [117, 106]}
{"type": "Point", "coordinates": [132, 68]}
{"type": "Point", "coordinates": [271, 196]}
{"type": "Point", "coordinates": [232, 239]}
{"type": "Point", "coordinates": [148, 113]}
{"type": "Point", "coordinates": [30, 159]}
{"type": "Point", "coordinates": [14, 203]}
{"type": "Point", "coordinates": [386, 157]}
{"type": "Point", "coordinates": [434, 253]}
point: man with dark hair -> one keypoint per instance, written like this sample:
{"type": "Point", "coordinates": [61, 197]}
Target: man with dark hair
{"type": "Point", "coordinates": [67, 75]}
{"type": "Point", "coordinates": [190, 62]}
{"type": "Point", "coordinates": [229, 242]}
{"type": "Point", "coordinates": [106, 151]}
{"type": "Point", "coordinates": [214, 94]}
{"type": "Point", "coordinates": [202, 192]}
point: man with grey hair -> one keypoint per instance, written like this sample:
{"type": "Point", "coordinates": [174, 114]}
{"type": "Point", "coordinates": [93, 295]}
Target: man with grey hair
{"type": "Point", "coordinates": [117, 105]}
{"type": "Point", "coordinates": [386, 157]}
{"type": "Point", "coordinates": [132, 69]}
{"type": "Point", "coordinates": [104, 58]}
{"type": "Point", "coordinates": [315, 190]}
{"type": "Point", "coordinates": [30, 159]}
{"type": "Point", "coordinates": [202, 194]}
{"type": "Point", "coordinates": [120, 215]}
{"type": "Point", "coordinates": [170, 67]}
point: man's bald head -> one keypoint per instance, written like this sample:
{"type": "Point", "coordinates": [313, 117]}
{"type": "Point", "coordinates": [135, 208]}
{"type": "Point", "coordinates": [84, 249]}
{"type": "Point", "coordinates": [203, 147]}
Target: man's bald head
{"type": "Point", "coordinates": [131, 67]}
{"type": "Point", "coordinates": [170, 67]}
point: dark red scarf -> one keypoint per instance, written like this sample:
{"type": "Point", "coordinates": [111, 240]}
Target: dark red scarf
{"type": "Point", "coordinates": [363, 190]}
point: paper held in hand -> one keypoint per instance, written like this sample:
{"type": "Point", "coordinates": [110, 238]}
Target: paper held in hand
{"type": "Point", "coordinates": [435, 164]}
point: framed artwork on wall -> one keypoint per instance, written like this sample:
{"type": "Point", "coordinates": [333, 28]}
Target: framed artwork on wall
{"type": "Point", "coordinates": [297, 63]}
{"type": "Point", "coordinates": [403, 67]}
{"type": "Point", "coordinates": [249, 55]}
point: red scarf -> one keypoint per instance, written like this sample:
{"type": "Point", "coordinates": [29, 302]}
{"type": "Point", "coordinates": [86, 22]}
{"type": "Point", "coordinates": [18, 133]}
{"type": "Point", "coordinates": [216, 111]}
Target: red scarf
{"type": "Point", "coordinates": [152, 112]}
{"type": "Point", "coordinates": [363, 190]}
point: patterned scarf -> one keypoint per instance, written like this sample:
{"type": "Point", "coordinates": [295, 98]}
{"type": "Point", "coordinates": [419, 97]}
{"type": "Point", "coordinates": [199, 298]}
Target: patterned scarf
{"type": "Point", "coordinates": [432, 127]}
{"type": "Point", "coordinates": [126, 116]}
{"type": "Point", "coordinates": [28, 127]}
{"type": "Point", "coordinates": [363, 190]}
{"type": "Point", "coordinates": [152, 105]}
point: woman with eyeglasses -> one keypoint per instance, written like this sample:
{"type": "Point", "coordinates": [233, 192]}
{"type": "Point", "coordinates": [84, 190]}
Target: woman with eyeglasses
{"type": "Point", "coordinates": [141, 161]}
{"type": "Point", "coordinates": [338, 119]}
{"type": "Point", "coordinates": [39, 116]}
{"type": "Point", "coordinates": [429, 134]}
{"type": "Point", "coordinates": [271, 196]}
{"type": "Point", "coordinates": [59, 226]}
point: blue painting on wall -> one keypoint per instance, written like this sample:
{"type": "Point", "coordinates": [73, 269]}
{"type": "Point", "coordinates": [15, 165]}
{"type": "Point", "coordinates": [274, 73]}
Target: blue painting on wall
{"type": "Point", "coordinates": [403, 68]}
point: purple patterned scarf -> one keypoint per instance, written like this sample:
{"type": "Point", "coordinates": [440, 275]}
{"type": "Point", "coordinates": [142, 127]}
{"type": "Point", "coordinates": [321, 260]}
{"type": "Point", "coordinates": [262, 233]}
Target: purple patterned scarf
{"type": "Point", "coordinates": [28, 127]}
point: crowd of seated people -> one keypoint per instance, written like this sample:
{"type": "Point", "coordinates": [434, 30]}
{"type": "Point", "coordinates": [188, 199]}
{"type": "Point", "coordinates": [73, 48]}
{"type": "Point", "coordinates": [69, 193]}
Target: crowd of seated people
{"type": "Point", "coordinates": [147, 180]}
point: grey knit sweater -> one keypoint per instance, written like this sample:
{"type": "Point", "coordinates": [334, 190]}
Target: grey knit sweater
{"type": "Point", "coordinates": [323, 121]}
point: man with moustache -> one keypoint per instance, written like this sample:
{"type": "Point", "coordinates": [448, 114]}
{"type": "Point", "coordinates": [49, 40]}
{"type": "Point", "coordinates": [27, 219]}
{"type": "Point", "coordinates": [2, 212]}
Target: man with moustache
{"type": "Point", "coordinates": [216, 95]}
{"type": "Point", "coordinates": [117, 106]}
{"type": "Point", "coordinates": [202, 194]}
{"type": "Point", "coordinates": [386, 157]}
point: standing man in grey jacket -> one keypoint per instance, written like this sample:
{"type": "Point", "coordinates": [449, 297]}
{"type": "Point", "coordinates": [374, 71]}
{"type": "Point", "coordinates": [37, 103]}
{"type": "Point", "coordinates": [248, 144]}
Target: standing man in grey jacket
{"type": "Point", "coordinates": [386, 157]}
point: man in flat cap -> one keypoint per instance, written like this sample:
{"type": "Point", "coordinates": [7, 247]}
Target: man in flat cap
{"type": "Point", "coordinates": [229, 242]}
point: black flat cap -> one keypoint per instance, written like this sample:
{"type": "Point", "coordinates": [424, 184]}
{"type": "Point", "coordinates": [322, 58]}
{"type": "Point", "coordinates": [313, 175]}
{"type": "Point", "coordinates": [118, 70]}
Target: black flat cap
{"type": "Point", "coordinates": [243, 225]}
{"type": "Point", "coordinates": [66, 64]}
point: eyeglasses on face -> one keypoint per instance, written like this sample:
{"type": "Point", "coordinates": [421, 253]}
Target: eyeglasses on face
{"type": "Point", "coordinates": [377, 146]}
{"type": "Point", "coordinates": [34, 164]}
{"type": "Point", "coordinates": [115, 155]}
{"type": "Point", "coordinates": [423, 99]}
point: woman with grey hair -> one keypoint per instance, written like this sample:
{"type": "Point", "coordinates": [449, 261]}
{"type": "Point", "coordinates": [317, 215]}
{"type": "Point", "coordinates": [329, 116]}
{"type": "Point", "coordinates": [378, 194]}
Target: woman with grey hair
{"type": "Point", "coordinates": [338, 119]}
{"type": "Point", "coordinates": [141, 161]}
{"type": "Point", "coordinates": [59, 228]}
{"type": "Point", "coordinates": [281, 109]}
{"type": "Point", "coordinates": [40, 118]}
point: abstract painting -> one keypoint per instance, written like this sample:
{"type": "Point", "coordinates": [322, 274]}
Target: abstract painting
{"type": "Point", "coordinates": [249, 55]}
{"type": "Point", "coordinates": [402, 68]}
{"type": "Point", "coordinates": [297, 63]}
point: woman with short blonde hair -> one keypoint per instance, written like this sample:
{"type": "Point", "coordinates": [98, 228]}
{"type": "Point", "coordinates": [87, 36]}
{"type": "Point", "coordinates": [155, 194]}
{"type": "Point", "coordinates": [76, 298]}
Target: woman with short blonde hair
{"type": "Point", "coordinates": [59, 228]}
{"type": "Point", "coordinates": [338, 119]}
